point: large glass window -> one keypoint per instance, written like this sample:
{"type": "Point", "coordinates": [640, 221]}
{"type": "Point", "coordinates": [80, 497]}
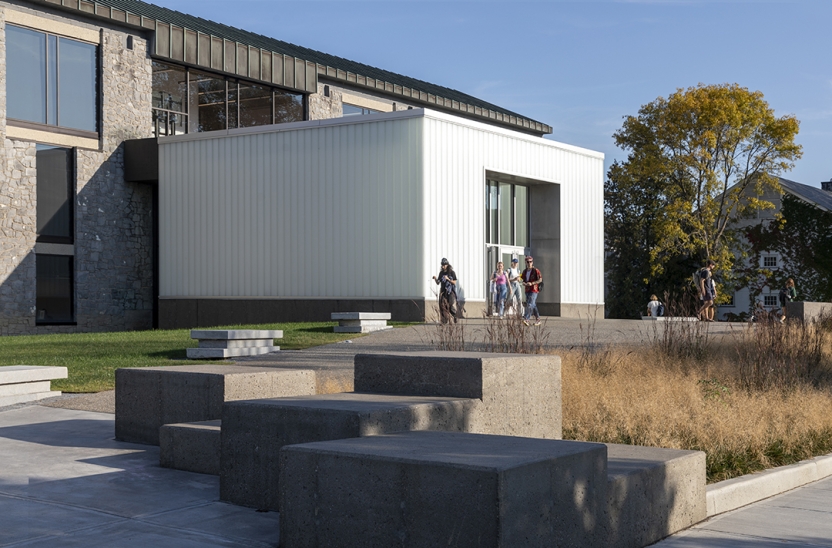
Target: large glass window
{"type": "Point", "coordinates": [170, 89]}
{"type": "Point", "coordinates": [55, 191]}
{"type": "Point", "coordinates": [54, 289]}
{"type": "Point", "coordinates": [51, 80]}
{"type": "Point", "coordinates": [191, 101]}
{"type": "Point", "coordinates": [507, 214]}
{"type": "Point", "coordinates": [352, 110]}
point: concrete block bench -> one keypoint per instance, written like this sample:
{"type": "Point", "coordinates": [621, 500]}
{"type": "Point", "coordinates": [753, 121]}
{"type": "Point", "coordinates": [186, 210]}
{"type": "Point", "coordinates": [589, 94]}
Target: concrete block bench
{"type": "Point", "coordinates": [191, 446]}
{"type": "Point", "coordinates": [428, 489]}
{"type": "Point", "coordinates": [507, 394]}
{"type": "Point", "coordinates": [148, 397]}
{"type": "Point", "coordinates": [360, 322]}
{"type": "Point", "coordinates": [652, 493]}
{"type": "Point", "coordinates": [807, 311]}
{"type": "Point", "coordinates": [253, 432]}
{"type": "Point", "coordinates": [23, 383]}
{"type": "Point", "coordinates": [231, 343]}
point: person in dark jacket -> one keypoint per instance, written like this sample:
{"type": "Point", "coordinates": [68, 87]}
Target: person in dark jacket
{"type": "Point", "coordinates": [447, 291]}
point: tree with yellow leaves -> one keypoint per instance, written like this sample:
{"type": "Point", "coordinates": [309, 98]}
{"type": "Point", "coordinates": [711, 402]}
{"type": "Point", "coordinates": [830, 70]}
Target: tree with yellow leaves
{"type": "Point", "coordinates": [705, 156]}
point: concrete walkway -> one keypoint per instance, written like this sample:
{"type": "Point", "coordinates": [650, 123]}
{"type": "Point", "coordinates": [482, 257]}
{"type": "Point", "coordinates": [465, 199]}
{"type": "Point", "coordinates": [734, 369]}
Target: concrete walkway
{"type": "Point", "coordinates": [65, 482]}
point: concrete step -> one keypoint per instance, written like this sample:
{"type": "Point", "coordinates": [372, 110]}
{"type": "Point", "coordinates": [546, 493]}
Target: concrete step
{"type": "Point", "coordinates": [25, 383]}
{"type": "Point", "coordinates": [191, 446]}
{"type": "Point", "coordinates": [220, 353]}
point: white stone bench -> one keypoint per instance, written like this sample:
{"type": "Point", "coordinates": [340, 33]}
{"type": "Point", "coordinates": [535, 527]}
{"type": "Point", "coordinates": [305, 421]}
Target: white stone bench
{"type": "Point", "coordinates": [23, 383]}
{"type": "Point", "coordinates": [230, 343]}
{"type": "Point", "coordinates": [360, 322]}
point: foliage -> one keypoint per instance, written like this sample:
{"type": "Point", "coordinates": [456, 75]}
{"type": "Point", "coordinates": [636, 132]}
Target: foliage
{"type": "Point", "coordinates": [697, 161]}
{"type": "Point", "coordinates": [803, 237]}
{"type": "Point", "coordinates": [92, 358]}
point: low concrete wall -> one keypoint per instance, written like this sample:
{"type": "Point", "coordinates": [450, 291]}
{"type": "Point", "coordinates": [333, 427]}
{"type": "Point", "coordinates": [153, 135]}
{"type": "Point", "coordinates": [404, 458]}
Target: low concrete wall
{"type": "Point", "coordinates": [193, 447]}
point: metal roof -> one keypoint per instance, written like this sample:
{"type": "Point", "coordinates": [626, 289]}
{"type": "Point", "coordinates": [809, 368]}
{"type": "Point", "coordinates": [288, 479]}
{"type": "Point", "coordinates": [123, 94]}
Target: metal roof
{"type": "Point", "coordinates": [203, 43]}
{"type": "Point", "coordinates": [814, 195]}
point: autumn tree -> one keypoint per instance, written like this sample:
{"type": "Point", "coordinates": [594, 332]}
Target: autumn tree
{"type": "Point", "coordinates": [703, 157]}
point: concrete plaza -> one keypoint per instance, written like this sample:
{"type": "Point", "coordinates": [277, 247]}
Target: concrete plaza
{"type": "Point", "coordinates": [64, 480]}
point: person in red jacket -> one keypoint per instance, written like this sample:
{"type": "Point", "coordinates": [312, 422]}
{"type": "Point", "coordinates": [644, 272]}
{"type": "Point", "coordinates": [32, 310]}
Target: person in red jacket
{"type": "Point", "coordinates": [531, 278]}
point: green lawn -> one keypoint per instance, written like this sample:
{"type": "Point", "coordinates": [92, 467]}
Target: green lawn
{"type": "Point", "coordinates": [92, 358]}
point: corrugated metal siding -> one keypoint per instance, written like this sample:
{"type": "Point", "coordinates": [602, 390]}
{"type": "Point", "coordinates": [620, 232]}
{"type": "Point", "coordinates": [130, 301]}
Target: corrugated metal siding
{"type": "Point", "coordinates": [319, 212]}
{"type": "Point", "coordinates": [360, 209]}
{"type": "Point", "coordinates": [456, 157]}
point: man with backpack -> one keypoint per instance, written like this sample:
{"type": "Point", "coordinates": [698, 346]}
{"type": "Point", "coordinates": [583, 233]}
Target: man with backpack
{"type": "Point", "coordinates": [706, 288]}
{"type": "Point", "coordinates": [533, 281]}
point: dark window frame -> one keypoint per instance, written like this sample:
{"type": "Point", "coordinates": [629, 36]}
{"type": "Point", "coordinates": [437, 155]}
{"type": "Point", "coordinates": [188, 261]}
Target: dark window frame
{"type": "Point", "coordinates": [73, 321]}
{"type": "Point", "coordinates": [69, 240]}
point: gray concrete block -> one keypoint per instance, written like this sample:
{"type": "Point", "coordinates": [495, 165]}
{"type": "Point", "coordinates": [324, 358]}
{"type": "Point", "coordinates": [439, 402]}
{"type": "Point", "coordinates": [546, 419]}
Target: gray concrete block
{"type": "Point", "coordinates": [193, 447]}
{"type": "Point", "coordinates": [520, 393]}
{"type": "Point", "coordinates": [24, 388]}
{"type": "Point", "coordinates": [808, 310]}
{"type": "Point", "coordinates": [338, 316]}
{"type": "Point", "coordinates": [147, 398]}
{"type": "Point", "coordinates": [23, 398]}
{"type": "Point", "coordinates": [652, 493]}
{"type": "Point", "coordinates": [222, 353]}
{"type": "Point", "coordinates": [12, 374]}
{"type": "Point", "coordinates": [236, 334]}
{"type": "Point", "coordinates": [234, 343]}
{"type": "Point", "coordinates": [253, 432]}
{"type": "Point", "coordinates": [359, 328]}
{"type": "Point", "coordinates": [428, 489]}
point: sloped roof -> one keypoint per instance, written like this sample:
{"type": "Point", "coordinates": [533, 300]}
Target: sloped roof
{"type": "Point", "coordinates": [811, 194]}
{"type": "Point", "coordinates": [295, 66]}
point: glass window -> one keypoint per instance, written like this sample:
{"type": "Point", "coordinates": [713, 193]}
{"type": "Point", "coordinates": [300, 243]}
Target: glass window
{"type": "Point", "coordinates": [288, 107]}
{"type": "Point", "coordinates": [78, 85]}
{"type": "Point", "coordinates": [233, 113]}
{"type": "Point", "coordinates": [770, 261]}
{"type": "Point", "coordinates": [493, 213]}
{"type": "Point", "coordinates": [54, 288]}
{"type": "Point", "coordinates": [25, 74]}
{"type": "Point", "coordinates": [55, 190]}
{"type": "Point", "coordinates": [170, 90]}
{"type": "Point", "coordinates": [255, 105]}
{"type": "Point", "coordinates": [506, 214]}
{"type": "Point", "coordinates": [207, 102]}
{"type": "Point", "coordinates": [51, 80]}
{"type": "Point", "coordinates": [770, 300]}
{"type": "Point", "coordinates": [352, 110]}
{"type": "Point", "coordinates": [521, 216]}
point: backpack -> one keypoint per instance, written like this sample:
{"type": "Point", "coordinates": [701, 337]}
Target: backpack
{"type": "Point", "coordinates": [660, 311]}
{"type": "Point", "coordinates": [697, 279]}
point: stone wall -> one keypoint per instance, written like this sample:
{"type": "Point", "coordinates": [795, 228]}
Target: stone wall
{"type": "Point", "coordinates": [113, 219]}
{"type": "Point", "coordinates": [322, 107]}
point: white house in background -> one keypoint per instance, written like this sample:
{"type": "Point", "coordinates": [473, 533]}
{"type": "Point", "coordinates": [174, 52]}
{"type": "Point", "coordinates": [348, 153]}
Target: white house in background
{"type": "Point", "coordinates": [819, 197]}
{"type": "Point", "coordinates": [297, 220]}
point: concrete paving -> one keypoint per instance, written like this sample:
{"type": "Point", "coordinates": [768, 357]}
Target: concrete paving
{"type": "Point", "coordinates": [64, 481]}
{"type": "Point", "coordinates": [798, 518]}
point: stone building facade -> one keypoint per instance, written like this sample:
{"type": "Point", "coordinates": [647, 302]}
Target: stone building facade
{"type": "Point", "coordinates": [112, 248]}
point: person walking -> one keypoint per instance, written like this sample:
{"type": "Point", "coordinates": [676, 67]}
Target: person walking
{"type": "Point", "coordinates": [514, 287]}
{"type": "Point", "coordinates": [707, 290]}
{"type": "Point", "coordinates": [447, 291]}
{"type": "Point", "coordinates": [531, 280]}
{"type": "Point", "coordinates": [500, 279]}
{"type": "Point", "coordinates": [654, 307]}
{"type": "Point", "coordinates": [787, 295]}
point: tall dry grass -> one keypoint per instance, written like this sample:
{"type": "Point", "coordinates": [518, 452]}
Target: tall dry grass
{"type": "Point", "coordinates": [651, 395]}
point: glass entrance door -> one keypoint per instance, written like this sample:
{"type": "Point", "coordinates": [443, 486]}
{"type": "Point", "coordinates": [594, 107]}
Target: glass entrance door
{"type": "Point", "coordinates": [506, 229]}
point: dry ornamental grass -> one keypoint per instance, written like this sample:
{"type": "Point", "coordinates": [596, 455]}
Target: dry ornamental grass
{"type": "Point", "coordinates": [758, 399]}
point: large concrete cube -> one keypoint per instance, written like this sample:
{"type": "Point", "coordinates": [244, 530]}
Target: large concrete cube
{"type": "Point", "coordinates": [148, 397]}
{"type": "Point", "coordinates": [652, 493]}
{"type": "Point", "coordinates": [428, 489]}
{"type": "Point", "coordinates": [520, 393]}
{"type": "Point", "coordinates": [253, 432]}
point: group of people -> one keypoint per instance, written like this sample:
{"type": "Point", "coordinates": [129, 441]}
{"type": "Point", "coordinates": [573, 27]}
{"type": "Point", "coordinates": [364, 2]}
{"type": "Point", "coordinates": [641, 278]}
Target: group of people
{"type": "Point", "coordinates": [706, 288]}
{"type": "Point", "coordinates": [530, 278]}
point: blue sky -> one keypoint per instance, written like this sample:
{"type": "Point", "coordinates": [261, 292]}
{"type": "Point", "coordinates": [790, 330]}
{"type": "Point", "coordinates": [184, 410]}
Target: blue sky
{"type": "Point", "coordinates": [577, 66]}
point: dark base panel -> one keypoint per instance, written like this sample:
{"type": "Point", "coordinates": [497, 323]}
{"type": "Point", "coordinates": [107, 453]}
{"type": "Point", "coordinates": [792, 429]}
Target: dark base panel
{"type": "Point", "coordinates": [191, 313]}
